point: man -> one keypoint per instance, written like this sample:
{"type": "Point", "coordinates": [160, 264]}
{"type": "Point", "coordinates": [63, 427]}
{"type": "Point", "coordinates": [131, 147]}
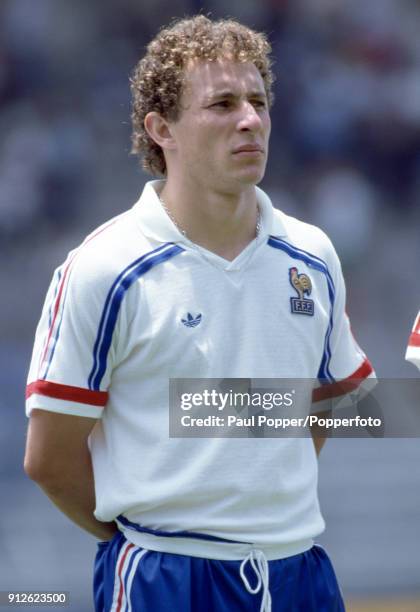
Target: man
{"type": "Point", "coordinates": [413, 348]}
{"type": "Point", "coordinates": [202, 278]}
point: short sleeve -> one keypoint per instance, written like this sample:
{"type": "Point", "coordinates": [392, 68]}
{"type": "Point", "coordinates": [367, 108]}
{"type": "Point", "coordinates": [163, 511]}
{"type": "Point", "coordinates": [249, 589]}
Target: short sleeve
{"type": "Point", "coordinates": [344, 366]}
{"type": "Point", "coordinates": [413, 348]}
{"type": "Point", "coordinates": [68, 374]}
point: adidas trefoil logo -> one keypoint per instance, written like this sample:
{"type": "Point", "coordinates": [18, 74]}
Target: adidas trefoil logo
{"type": "Point", "coordinates": [191, 321]}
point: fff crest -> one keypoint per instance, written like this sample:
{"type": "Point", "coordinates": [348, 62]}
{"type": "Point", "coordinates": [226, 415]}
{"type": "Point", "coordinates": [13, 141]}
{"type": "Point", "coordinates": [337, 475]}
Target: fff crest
{"type": "Point", "coordinates": [302, 284]}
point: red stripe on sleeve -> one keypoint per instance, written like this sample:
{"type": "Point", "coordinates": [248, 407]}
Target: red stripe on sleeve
{"type": "Point", "coordinates": [60, 291]}
{"type": "Point", "coordinates": [55, 311]}
{"type": "Point", "coordinates": [66, 392]}
{"type": "Point", "coordinates": [341, 387]}
{"type": "Point", "coordinates": [414, 339]}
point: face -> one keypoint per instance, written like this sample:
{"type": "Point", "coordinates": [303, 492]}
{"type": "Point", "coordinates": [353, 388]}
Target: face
{"type": "Point", "coordinates": [221, 136]}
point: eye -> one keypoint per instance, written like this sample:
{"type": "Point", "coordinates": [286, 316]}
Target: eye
{"type": "Point", "coordinates": [221, 104]}
{"type": "Point", "coordinates": [259, 103]}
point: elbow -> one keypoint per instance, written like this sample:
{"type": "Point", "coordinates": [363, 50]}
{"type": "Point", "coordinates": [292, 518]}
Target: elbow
{"type": "Point", "coordinates": [41, 472]}
{"type": "Point", "coordinates": [30, 469]}
{"type": "Point", "coordinates": [33, 468]}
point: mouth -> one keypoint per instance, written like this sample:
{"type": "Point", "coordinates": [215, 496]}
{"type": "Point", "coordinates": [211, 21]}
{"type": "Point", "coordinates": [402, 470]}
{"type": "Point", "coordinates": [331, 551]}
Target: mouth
{"type": "Point", "coordinates": [248, 150]}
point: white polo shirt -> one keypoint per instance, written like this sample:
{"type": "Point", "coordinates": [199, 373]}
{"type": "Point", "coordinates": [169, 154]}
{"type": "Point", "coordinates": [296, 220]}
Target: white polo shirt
{"type": "Point", "coordinates": [114, 330]}
{"type": "Point", "coordinates": [413, 348]}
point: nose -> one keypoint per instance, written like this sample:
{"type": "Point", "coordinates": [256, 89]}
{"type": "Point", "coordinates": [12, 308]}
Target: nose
{"type": "Point", "coordinates": [249, 118]}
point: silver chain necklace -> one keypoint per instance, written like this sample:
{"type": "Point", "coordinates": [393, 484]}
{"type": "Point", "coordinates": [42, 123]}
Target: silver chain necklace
{"type": "Point", "coordinates": [170, 215]}
{"type": "Point", "coordinates": [184, 233]}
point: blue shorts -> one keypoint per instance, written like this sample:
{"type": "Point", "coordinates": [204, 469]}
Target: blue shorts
{"type": "Point", "coordinates": [128, 578]}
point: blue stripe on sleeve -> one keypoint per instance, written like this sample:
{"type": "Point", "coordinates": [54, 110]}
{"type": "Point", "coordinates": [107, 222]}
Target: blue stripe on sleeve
{"type": "Point", "coordinates": [53, 299]}
{"type": "Point", "coordinates": [113, 303]}
{"type": "Point", "coordinates": [56, 335]}
{"type": "Point", "coordinates": [315, 262]}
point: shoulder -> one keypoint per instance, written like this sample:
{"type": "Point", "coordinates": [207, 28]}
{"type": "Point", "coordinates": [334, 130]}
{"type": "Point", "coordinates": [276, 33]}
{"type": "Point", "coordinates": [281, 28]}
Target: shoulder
{"type": "Point", "coordinates": [106, 254]}
{"type": "Point", "coordinates": [304, 238]}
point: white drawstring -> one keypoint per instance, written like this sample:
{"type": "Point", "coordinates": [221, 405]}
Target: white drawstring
{"type": "Point", "coordinates": [259, 564]}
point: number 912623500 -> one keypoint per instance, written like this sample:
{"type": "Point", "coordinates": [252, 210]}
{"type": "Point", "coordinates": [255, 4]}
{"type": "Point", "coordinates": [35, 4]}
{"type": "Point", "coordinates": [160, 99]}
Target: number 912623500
{"type": "Point", "coordinates": [21, 598]}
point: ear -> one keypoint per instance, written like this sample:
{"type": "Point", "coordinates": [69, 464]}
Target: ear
{"type": "Point", "coordinates": [159, 130]}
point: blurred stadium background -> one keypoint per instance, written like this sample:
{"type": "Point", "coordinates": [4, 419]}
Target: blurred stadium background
{"type": "Point", "coordinates": [345, 155]}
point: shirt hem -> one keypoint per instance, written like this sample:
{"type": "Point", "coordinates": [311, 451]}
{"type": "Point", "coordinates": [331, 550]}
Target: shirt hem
{"type": "Point", "coordinates": [223, 551]}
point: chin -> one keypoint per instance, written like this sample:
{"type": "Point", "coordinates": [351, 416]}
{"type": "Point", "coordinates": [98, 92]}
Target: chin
{"type": "Point", "coordinates": [251, 178]}
{"type": "Point", "coordinates": [237, 180]}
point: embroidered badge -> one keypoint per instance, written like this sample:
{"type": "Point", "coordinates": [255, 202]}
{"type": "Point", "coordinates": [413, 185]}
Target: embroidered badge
{"type": "Point", "coordinates": [191, 321]}
{"type": "Point", "coordinates": [301, 283]}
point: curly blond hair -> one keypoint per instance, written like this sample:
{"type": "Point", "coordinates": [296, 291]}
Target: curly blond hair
{"type": "Point", "coordinates": [158, 79]}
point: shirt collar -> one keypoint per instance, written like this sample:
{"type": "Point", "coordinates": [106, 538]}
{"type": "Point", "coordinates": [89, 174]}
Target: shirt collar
{"type": "Point", "coordinates": [156, 224]}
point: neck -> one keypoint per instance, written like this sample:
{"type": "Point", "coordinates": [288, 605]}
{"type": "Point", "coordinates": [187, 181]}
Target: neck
{"type": "Point", "coordinates": [224, 223]}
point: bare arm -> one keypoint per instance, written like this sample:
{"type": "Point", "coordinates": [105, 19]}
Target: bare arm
{"type": "Point", "coordinates": [319, 435]}
{"type": "Point", "coordinates": [57, 458]}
